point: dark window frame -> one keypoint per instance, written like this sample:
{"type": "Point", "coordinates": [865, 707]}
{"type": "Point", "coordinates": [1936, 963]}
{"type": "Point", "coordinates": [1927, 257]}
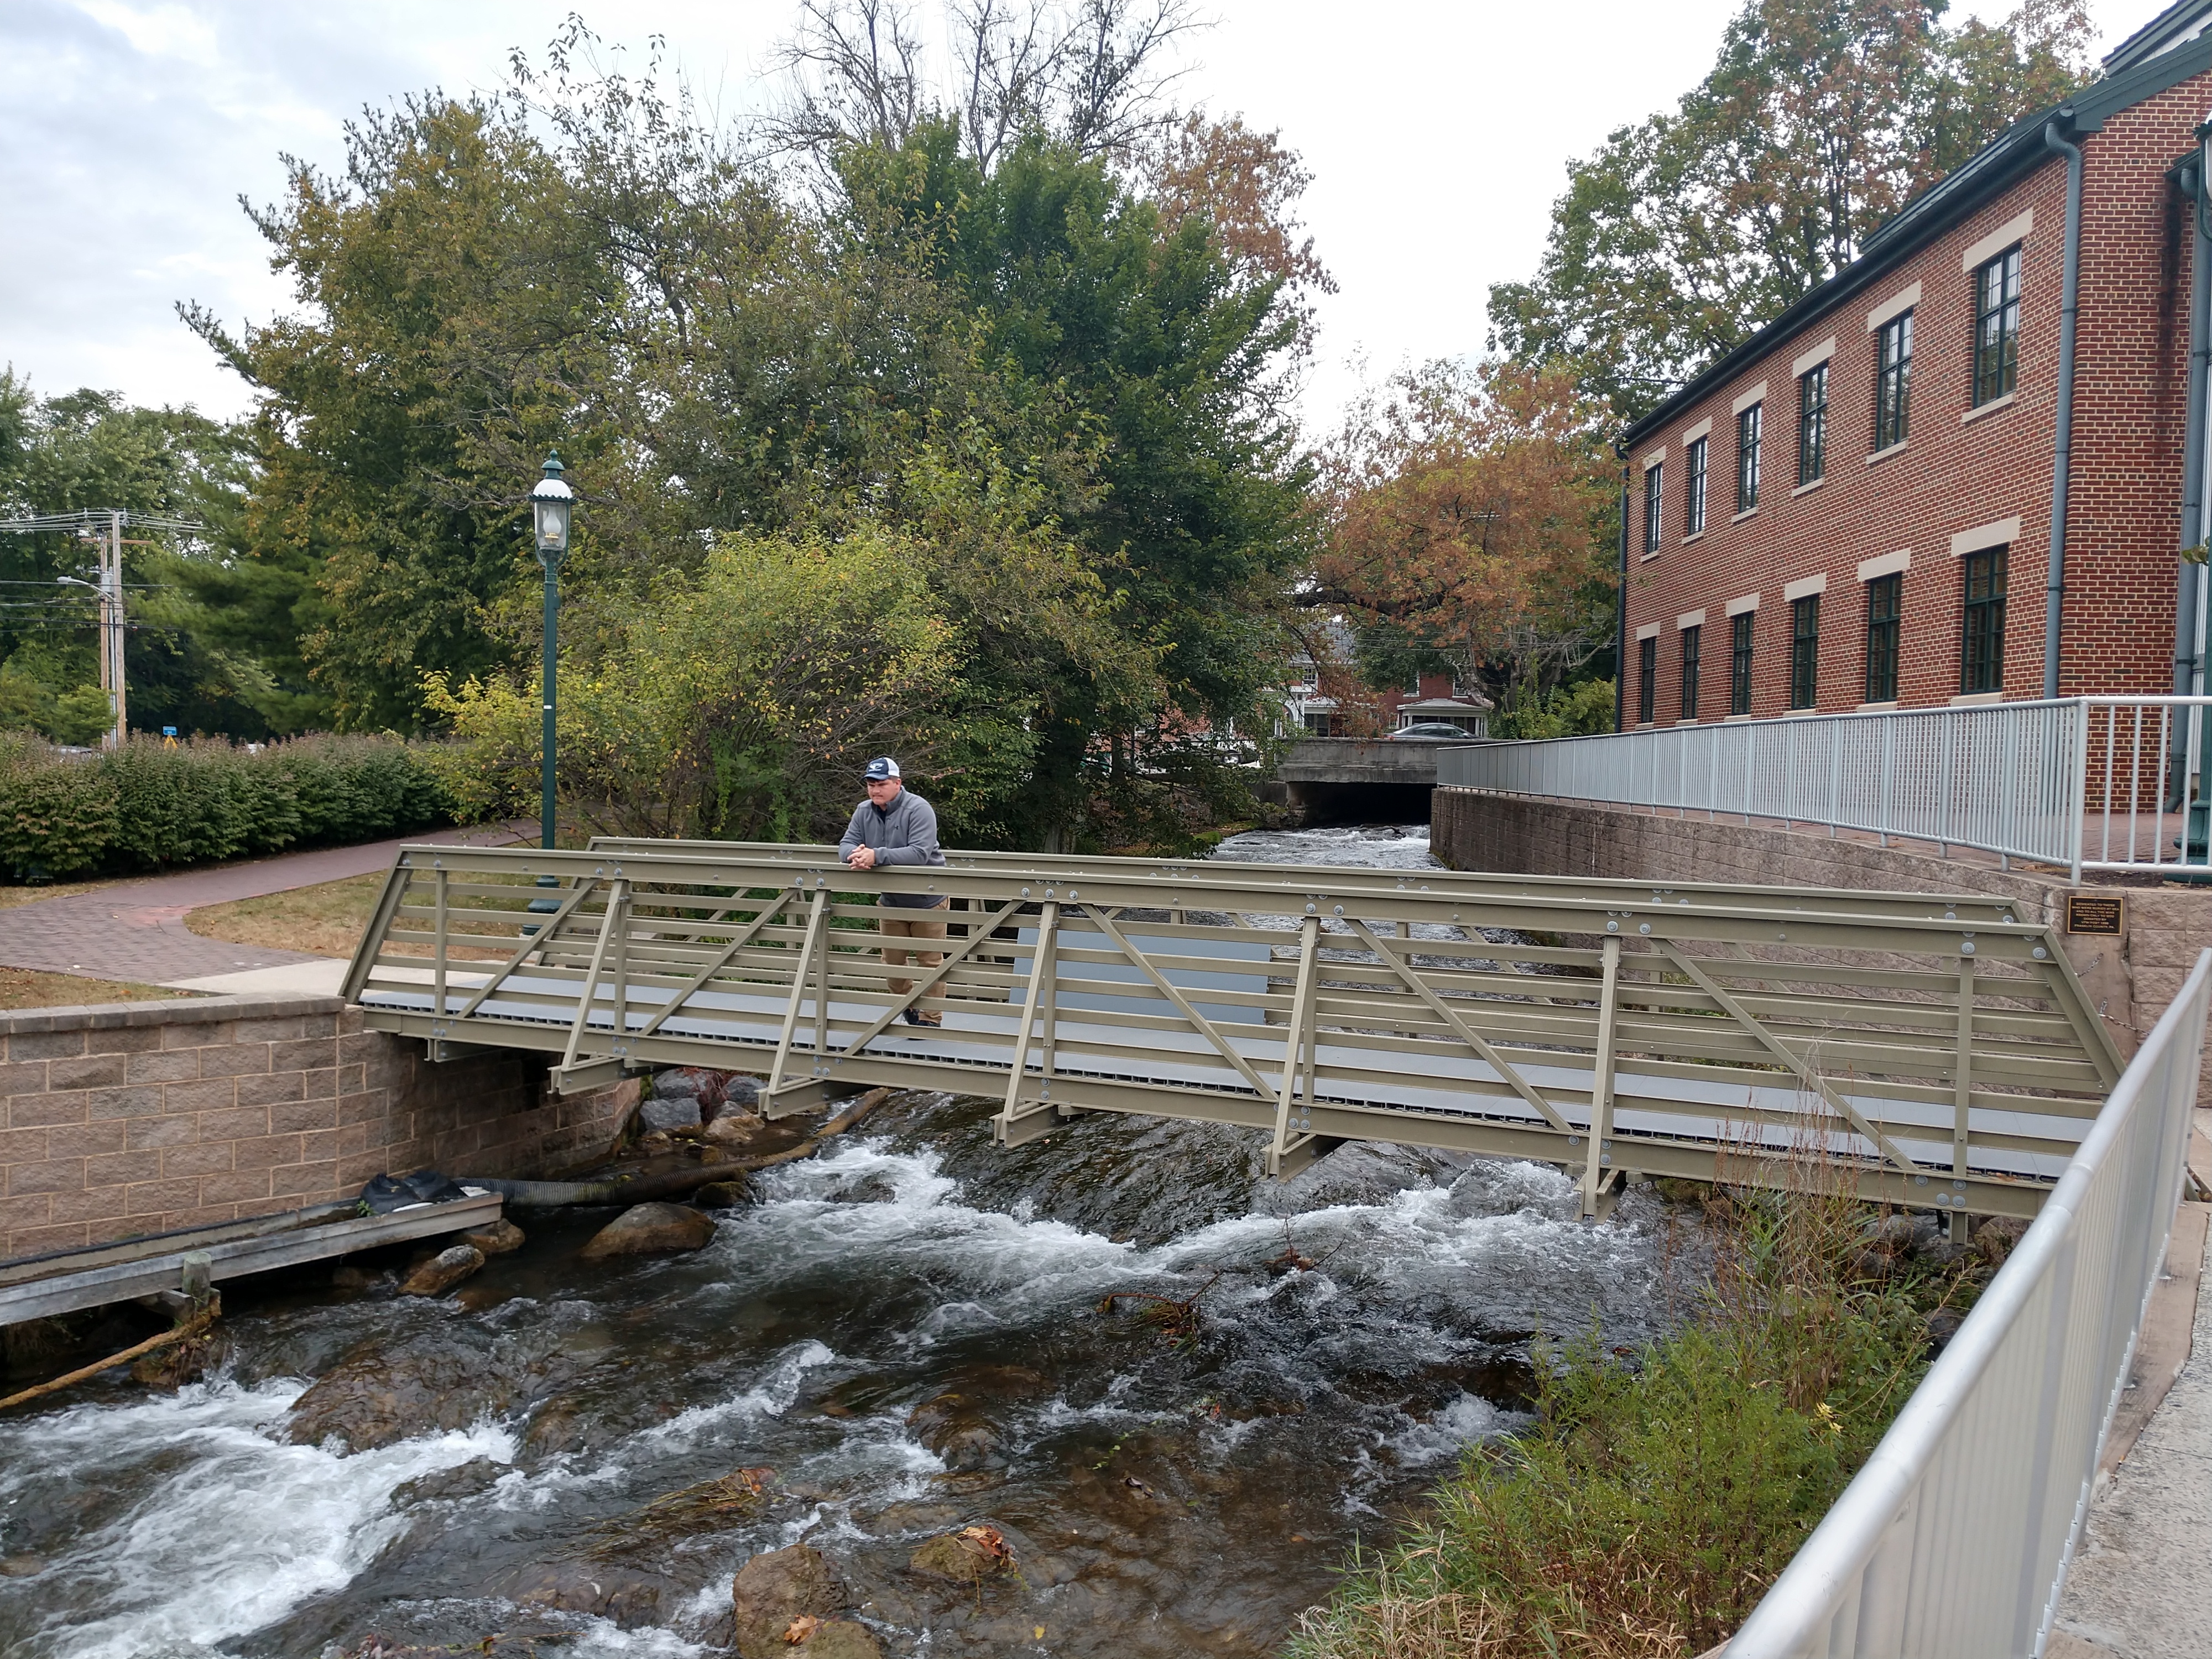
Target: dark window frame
{"type": "Point", "coordinates": [1885, 599]}
{"type": "Point", "coordinates": [1695, 458]}
{"type": "Point", "coordinates": [1742, 629]}
{"type": "Point", "coordinates": [1655, 506]}
{"type": "Point", "coordinates": [1805, 652]}
{"type": "Point", "coordinates": [1748, 424]}
{"type": "Point", "coordinates": [1647, 679]}
{"type": "Point", "coordinates": [1692, 649]}
{"type": "Point", "coordinates": [1892, 386]}
{"type": "Point", "coordinates": [1813, 425]}
{"type": "Point", "coordinates": [1981, 621]}
{"type": "Point", "coordinates": [1997, 327]}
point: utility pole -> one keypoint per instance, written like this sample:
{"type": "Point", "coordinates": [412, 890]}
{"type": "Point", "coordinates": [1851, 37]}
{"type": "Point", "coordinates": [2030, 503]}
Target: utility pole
{"type": "Point", "coordinates": [103, 528]}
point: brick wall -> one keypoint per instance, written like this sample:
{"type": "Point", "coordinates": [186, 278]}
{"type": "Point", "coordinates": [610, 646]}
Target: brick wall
{"type": "Point", "coordinates": [1960, 468]}
{"type": "Point", "coordinates": [2131, 981]}
{"type": "Point", "coordinates": [142, 1117]}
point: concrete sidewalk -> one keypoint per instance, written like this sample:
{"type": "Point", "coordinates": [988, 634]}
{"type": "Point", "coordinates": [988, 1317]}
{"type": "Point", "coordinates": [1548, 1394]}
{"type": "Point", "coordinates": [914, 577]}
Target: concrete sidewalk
{"type": "Point", "coordinates": [137, 932]}
{"type": "Point", "coordinates": [2141, 1583]}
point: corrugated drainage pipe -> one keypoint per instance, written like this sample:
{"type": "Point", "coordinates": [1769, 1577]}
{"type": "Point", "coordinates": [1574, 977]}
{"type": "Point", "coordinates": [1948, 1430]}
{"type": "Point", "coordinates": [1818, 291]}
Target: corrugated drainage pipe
{"type": "Point", "coordinates": [2054, 587]}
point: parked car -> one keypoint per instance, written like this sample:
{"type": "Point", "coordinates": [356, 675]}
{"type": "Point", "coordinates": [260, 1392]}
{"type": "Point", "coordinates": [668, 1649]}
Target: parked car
{"type": "Point", "coordinates": [1429, 731]}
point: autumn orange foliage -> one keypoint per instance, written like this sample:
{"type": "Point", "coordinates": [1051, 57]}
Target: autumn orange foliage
{"type": "Point", "coordinates": [1473, 508]}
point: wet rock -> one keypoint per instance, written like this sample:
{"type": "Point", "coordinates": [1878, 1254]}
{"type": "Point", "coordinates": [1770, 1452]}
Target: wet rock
{"type": "Point", "coordinates": [772, 1590]}
{"type": "Point", "coordinates": [465, 1480]}
{"type": "Point", "coordinates": [968, 1555]}
{"type": "Point", "coordinates": [1941, 1253]}
{"type": "Point", "coordinates": [953, 1426]}
{"type": "Point", "coordinates": [654, 1143]}
{"type": "Point", "coordinates": [392, 1390]}
{"type": "Point", "coordinates": [723, 1194]}
{"type": "Point", "coordinates": [349, 1276]}
{"type": "Point", "coordinates": [443, 1271]}
{"type": "Point", "coordinates": [494, 1237]}
{"type": "Point", "coordinates": [871, 1189]}
{"type": "Point", "coordinates": [732, 1130]}
{"type": "Point", "coordinates": [681, 1112]}
{"type": "Point", "coordinates": [835, 1638]}
{"type": "Point", "coordinates": [627, 1595]}
{"type": "Point", "coordinates": [651, 1230]}
{"type": "Point", "coordinates": [22, 1566]}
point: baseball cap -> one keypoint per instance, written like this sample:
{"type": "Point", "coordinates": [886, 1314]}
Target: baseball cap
{"type": "Point", "coordinates": [881, 768]}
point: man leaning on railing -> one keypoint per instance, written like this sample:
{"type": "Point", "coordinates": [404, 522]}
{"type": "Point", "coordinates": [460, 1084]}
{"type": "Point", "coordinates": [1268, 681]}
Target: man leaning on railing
{"type": "Point", "coordinates": [895, 826]}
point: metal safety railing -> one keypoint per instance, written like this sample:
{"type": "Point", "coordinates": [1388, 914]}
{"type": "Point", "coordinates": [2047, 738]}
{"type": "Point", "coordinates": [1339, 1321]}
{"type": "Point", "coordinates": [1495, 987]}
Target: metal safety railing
{"type": "Point", "coordinates": [2084, 783]}
{"type": "Point", "coordinates": [1940, 1048]}
{"type": "Point", "coordinates": [1954, 1538]}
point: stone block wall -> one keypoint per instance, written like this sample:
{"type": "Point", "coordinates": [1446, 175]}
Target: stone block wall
{"type": "Point", "coordinates": [2130, 979]}
{"type": "Point", "coordinates": [142, 1117]}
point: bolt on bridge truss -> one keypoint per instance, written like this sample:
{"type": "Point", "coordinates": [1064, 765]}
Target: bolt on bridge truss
{"type": "Point", "coordinates": [1930, 1050]}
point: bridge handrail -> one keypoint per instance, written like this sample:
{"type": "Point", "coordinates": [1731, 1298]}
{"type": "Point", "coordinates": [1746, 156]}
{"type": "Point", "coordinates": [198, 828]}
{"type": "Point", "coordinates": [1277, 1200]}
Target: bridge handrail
{"type": "Point", "coordinates": [2081, 782]}
{"type": "Point", "coordinates": [1956, 1537]}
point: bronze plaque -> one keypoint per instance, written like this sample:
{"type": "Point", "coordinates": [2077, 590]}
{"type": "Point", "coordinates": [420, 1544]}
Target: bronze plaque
{"type": "Point", "coordinates": [2096, 913]}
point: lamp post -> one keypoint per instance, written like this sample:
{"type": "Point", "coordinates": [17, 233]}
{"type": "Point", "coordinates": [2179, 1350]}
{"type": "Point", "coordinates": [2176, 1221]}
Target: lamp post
{"type": "Point", "coordinates": [551, 504]}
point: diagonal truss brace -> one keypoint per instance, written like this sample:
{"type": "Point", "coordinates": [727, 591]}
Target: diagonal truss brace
{"type": "Point", "coordinates": [977, 933]}
{"type": "Point", "coordinates": [1047, 943]}
{"type": "Point", "coordinates": [770, 911]}
{"type": "Point", "coordinates": [545, 937]}
{"type": "Point", "coordinates": [1788, 1057]}
{"type": "Point", "coordinates": [1198, 1023]}
{"type": "Point", "coordinates": [816, 916]}
{"type": "Point", "coordinates": [1467, 1033]}
{"type": "Point", "coordinates": [616, 916]}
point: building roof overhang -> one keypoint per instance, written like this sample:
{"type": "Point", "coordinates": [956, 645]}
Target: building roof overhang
{"type": "Point", "coordinates": [2018, 150]}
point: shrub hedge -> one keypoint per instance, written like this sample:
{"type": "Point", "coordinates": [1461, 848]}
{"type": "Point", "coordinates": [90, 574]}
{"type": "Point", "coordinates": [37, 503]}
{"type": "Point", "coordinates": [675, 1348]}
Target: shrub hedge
{"type": "Point", "coordinates": [149, 806]}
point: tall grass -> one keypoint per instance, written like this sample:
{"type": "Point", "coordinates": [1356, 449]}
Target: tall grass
{"type": "Point", "coordinates": [1662, 1489]}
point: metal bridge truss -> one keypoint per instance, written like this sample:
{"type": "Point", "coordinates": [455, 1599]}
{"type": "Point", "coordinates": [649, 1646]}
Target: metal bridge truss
{"type": "Point", "coordinates": [1934, 1050]}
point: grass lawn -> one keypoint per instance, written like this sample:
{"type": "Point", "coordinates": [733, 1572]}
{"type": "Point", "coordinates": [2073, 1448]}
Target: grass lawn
{"type": "Point", "coordinates": [27, 987]}
{"type": "Point", "coordinates": [325, 920]}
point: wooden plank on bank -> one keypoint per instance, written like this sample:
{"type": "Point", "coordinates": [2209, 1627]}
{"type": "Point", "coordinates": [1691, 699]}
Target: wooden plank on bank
{"type": "Point", "coordinates": [184, 1238]}
{"type": "Point", "coordinates": [66, 1290]}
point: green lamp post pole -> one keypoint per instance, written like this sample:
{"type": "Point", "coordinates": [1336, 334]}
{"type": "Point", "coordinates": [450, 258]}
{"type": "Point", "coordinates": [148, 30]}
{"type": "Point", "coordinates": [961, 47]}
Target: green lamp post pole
{"type": "Point", "coordinates": [551, 504]}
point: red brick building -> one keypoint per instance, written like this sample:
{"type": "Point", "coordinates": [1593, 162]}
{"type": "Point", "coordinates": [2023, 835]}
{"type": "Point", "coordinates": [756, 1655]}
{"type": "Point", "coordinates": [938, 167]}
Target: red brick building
{"type": "Point", "coordinates": [1855, 508]}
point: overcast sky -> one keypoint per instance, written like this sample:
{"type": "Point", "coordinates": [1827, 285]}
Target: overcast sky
{"type": "Point", "coordinates": [1437, 134]}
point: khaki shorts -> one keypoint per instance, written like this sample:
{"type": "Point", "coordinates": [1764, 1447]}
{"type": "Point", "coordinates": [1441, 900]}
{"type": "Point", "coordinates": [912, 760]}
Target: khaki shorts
{"type": "Point", "coordinates": [902, 922]}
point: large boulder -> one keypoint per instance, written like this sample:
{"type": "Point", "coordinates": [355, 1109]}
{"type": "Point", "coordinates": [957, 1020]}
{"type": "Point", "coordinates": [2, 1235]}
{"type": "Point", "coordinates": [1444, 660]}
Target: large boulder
{"type": "Point", "coordinates": [495, 1238]}
{"type": "Point", "coordinates": [625, 1595]}
{"type": "Point", "coordinates": [773, 1591]}
{"type": "Point", "coordinates": [831, 1638]}
{"type": "Point", "coordinates": [955, 1427]}
{"type": "Point", "coordinates": [725, 1194]}
{"type": "Point", "coordinates": [652, 1230]}
{"type": "Point", "coordinates": [443, 1271]}
{"type": "Point", "coordinates": [394, 1387]}
{"type": "Point", "coordinates": [678, 1112]}
{"type": "Point", "coordinates": [733, 1129]}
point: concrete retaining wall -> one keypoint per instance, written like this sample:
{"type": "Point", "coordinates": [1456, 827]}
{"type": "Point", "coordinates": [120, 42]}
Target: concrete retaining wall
{"type": "Point", "coordinates": [143, 1117]}
{"type": "Point", "coordinates": [2131, 980]}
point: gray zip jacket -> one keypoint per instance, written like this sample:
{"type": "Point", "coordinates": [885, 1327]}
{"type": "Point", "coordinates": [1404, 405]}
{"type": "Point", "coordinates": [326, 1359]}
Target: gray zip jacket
{"type": "Point", "coordinates": [905, 832]}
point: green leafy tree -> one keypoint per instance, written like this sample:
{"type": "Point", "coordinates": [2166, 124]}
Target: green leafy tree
{"type": "Point", "coordinates": [1685, 233]}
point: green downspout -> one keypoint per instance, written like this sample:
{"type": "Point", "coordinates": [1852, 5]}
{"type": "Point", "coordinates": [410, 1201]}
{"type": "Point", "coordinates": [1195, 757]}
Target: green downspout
{"type": "Point", "coordinates": [2062, 468]}
{"type": "Point", "coordinates": [1620, 609]}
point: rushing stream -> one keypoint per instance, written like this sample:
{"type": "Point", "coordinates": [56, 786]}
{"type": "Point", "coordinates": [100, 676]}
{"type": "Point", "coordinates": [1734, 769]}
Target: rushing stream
{"type": "Point", "coordinates": [1167, 1489]}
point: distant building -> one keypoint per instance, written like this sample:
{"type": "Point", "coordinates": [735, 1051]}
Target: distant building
{"type": "Point", "coordinates": [1854, 509]}
{"type": "Point", "coordinates": [1437, 700]}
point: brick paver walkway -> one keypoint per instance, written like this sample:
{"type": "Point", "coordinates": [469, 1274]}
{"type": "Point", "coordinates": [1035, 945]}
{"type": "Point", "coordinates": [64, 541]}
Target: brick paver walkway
{"type": "Point", "coordinates": [137, 932]}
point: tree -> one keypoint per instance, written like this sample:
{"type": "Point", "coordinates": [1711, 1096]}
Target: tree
{"type": "Point", "coordinates": [1686, 233]}
{"type": "Point", "coordinates": [90, 450]}
{"type": "Point", "coordinates": [1468, 518]}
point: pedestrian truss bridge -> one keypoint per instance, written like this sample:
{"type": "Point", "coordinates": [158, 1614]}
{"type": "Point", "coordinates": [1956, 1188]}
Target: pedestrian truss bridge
{"type": "Point", "coordinates": [1933, 1050]}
